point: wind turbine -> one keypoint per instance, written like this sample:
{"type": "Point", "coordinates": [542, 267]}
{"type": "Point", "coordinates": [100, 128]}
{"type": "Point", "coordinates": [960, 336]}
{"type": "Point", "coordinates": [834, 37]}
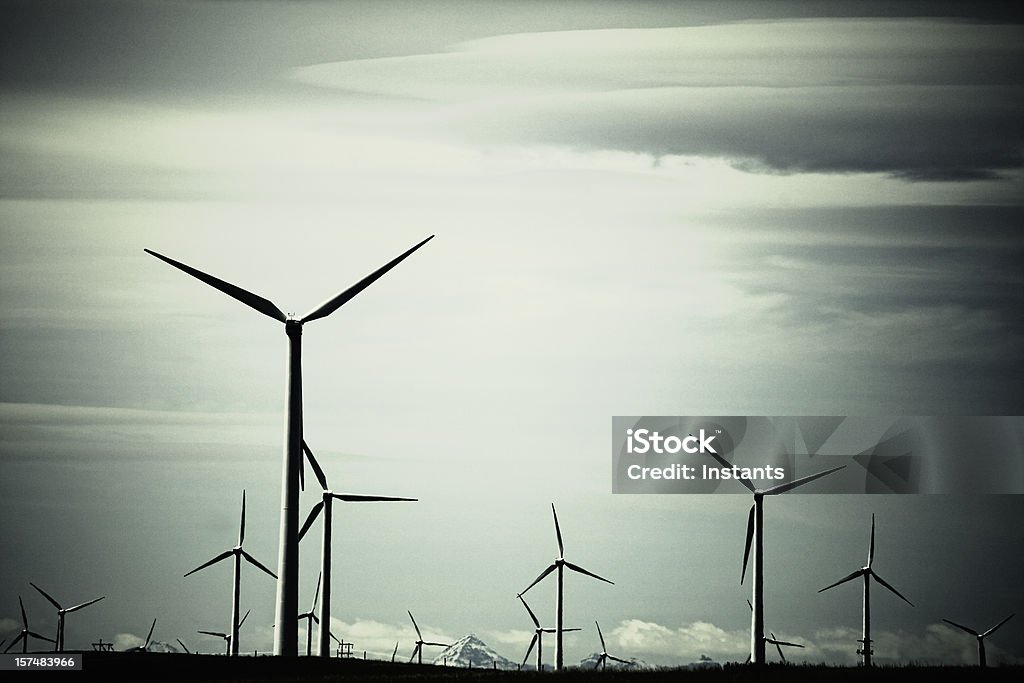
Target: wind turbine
{"type": "Point", "coordinates": [238, 553]}
{"type": "Point", "coordinates": [286, 631]}
{"type": "Point", "coordinates": [774, 641]}
{"type": "Point", "coordinates": [417, 652]}
{"type": "Point", "coordinates": [310, 617]}
{"type": "Point", "coordinates": [755, 537]}
{"type": "Point", "coordinates": [325, 505]}
{"type": "Point", "coordinates": [145, 646]}
{"type": "Point", "coordinates": [230, 645]}
{"type": "Point", "coordinates": [601, 658]}
{"type": "Point", "coordinates": [26, 632]}
{"type": "Point", "coordinates": [980, 636]}
{"type": "Point", "coordinates": [538, 638]}
{"type": "Point", "coordinates": [559, 564]}
{"type": "Point", "coordinates": [61, 611]}
{"type": "Point", "coordinates": [867, 573]}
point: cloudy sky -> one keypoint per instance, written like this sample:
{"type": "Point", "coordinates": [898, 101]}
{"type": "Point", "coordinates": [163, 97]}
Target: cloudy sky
{"type": "Point", "coordinates": [643, 208]}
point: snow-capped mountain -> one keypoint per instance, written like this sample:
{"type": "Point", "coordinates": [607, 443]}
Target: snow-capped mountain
{"type": "Point", "coordinates": [470, 651]}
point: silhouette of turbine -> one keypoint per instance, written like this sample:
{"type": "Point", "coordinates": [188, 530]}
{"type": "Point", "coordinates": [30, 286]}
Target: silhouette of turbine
{"type": "Point", "coordinates": [237, 553]}
{"type": "Point", "coordinates": [145, 646]}
{"type": "Point", "coordinates": [61, 611]}
{"type": "Point", "coordinates": [867, 573]}
{"type": "Point", "coordinates": [560, 564]}
{"type": "Point", "coordinates": [325, 505]}
{"type": "Point", "coordinates": [538, 638]}
{"type": "Point", "coordinates": [229, 641]}
{"type": "Point", "coordinates": [980, 636]}
{"type": "Point", "coordinates": [26, 632]}
{"type": "Point", "coordinates": [286, 627]}
{"type": "Point", "coordinates": [310, 617]}
{"type": "Point", "coordinates": [183, 646]}
{"type": "Point", "coordinates": [603, 656]}
{"type": "Point", "coordinates": [417, 652]}
{"type": "Point", "coordinates": [755, 538]}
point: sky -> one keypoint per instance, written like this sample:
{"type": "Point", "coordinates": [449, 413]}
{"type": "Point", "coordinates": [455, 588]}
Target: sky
{"type": "Point", "coordinates": [644, 208]}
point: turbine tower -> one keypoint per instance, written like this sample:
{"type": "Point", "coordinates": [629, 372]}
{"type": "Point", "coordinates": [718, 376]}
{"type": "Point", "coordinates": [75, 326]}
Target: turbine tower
{"type": "Point", "coordinates": [560, 564]}
{"type": "Point", "coordinates": [26, 632]}
{"type": "Point", "coordinates": [604, 656]}
{"type": "Point", "coordinates": [417, 652]}
{"type": "Point", "coordinates": [325, 505]}
{"type": "Point", "coordinates": [980, 636]}
{"type": "Point", "coordinates": [229, 642]}
{"type": "Point", "coordinates": [61, 611]}
{"type": "Point", "coordinates": [538, 636]}
{"type": "Point", "coordinates": [755, 537]}
{"type": "Point", "coordinates": [867, 573]}
{"type": "Point", "coordinates": [286, 627]}
{"type": "Point", "coordinates": [238, 553]}
{"type": "Point", "coordinates": [310, 617]}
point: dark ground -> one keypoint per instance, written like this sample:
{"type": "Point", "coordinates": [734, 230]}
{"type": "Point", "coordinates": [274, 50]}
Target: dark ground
{"type": "Point", "coordinates": [142, 666]}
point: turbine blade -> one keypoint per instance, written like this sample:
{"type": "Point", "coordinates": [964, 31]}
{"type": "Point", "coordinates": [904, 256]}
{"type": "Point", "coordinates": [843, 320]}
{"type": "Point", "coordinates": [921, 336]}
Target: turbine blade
{"type": "Point", "coordinates": [332, 304]}
{"type": "Point", "coordinates": [183, 646]}
{"type": "Point", "coordinates": [852, 575]}
{"type": "Point", "coordinates": [223, 555]}
{"type": "Point", "coordinates": [84, 604]}
{"type": "Point", "coordinates": [254, 561]}
{"type": "Point", "coordinates": [244, 618]}
{"type": "Point", "coordinates": [776, 641]}
{"type": "Point", "coordinates": [530, 649]}
{"type": "Point", "coordinates": [415, 626]}
{"type": "Point", "coordinates": [746, 548]}
{"type": "Point", "coordinates": [241, 527]}
{"type": "Point", "coordinates": [535, 581]}
{"type": "Point", "coordinates": [617, 659]}
{"type": "Point", "coordinates": [536, 621]}
{"type": "Point", "coordinates": [46, 595]}
{"type": "Point", "coordinates": [415, 650]}
{"type": "Point", "coordinates": [882, 581]}
{"type": "Point", "coordinates": [214, 633]}
{"type": "Point", "coordinates": [150, 634]}
{"type": "Point", "coordinates": [395, 652]}
{"type": "Point", "coordinates": [311, 518]}
{"type": "Point", "coordinates": [334, 638]}
{"type": "Point", "coordinates": [315, 465]}
{"type": "Point", "coordinates": [24, 618]}
{"type": "Point", "coordinates": [315, 618]}
{"type": "Point", "coordinates": [564, 630]}
{"type": "Point", "coordinates": [437, 644]}
{"type": "Point", "coordinates": [871, 544]}
{"type": "Point", "coordinates": [600, 658]}
{"type": "Point", "coordinates": [302, 473]}
{"type": "Point", "coordinates": [36, 635]}
{"type": "Point", "coordinates": [962, 627]}
{"type": "Point", "coordinates": [993, 629]}
{"type": "Point", "coordinates": [558, 533]}
{"type": "Point", "coordinates": [728, 465]}
{"type": "Point", "coordinates": [352, 498]}
{"type": "Point", "coordinates": [581, 570]}
{"type": "Point", "coordinates": [21, 636]}
{"type": "Point", "coordinates": [316, 595]}
{"type": "Point", "coordinates": [789, 486]}
{"type": "Point", "coordinates": [262, 305]}
{"type": "Point", "coordinates": [601, 636]}
{"type": "Point", "coordinates": [779, 648]}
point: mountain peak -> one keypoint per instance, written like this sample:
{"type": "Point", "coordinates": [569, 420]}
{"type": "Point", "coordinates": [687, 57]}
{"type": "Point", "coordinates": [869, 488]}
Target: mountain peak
{"type": "Point", "coordinates": [471, 652]}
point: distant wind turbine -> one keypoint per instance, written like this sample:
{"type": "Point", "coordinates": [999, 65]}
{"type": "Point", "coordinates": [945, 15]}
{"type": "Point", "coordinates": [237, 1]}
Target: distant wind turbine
{"type": "Point", "coordinates": [238, 553]}
{"type": "Point", "coordinates": [229, 641]}
{"type": "Point", "coordinates": [867, 573]}
{"type": "Point", "coordinates": [145, 646]}
{"type": "Point", "coordinates": [604, 656]}
{"type": "Point", "coordinates": [755, 537]}
{"type": "Point", "coordinates": [310, 617]}
{"type": "Point", "coordinates": [61, 611]}
{"type": "Point", "coordinates": [538, 637]}
{"type": "Point", "coordinates": [559, 564]}
{"type": "Point", "coordinates": [26, 632]}
{"type": "Point", "coordinates": [325, 506]}
{"type": "Point", "coordinates": [980, 636]}
{"type": "Point", "coordinates": [286, 627]}
{"type": "Point", "coordinates": [417, 652]}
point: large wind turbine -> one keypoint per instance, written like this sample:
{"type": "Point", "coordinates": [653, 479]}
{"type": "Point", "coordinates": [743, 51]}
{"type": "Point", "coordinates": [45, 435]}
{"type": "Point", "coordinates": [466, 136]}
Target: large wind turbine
{"type": "Point", "coordinates": [238, 553]}
{"type": "Point", "coordinates": [980, 636]}
{"type": "Point", "coordinates": [286, 630]}
{"type": "Point", "coordinates": [755, 537]}
{"type": "Point", "coordinates": [867, 573]}
{"type": "Point", "coordinates": [538, 636]}
{"type": "Point", "coordinates": [26, 632]}
{"type": "Point", "coordinates": [604, 656]}
{"type": "Point", "coordinates": [230, 640]}
{"type": "Point", "coordinates": [559, 564]}
{"type": "Point", "coordinates": [325, 505]}
{"type": "Point", "coordinates": [310, 617]}
{"type": "Point", "coordinates": [417, 652]}
{"type": "Point", "coordinates": [61, 611]}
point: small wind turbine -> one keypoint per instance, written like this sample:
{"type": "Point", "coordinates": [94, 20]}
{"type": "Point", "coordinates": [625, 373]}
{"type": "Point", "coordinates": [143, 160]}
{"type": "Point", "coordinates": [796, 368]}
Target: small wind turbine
{"type": "Point", "coordinates": [755, 537]}
{"type": "Point", "coordinates": [604, 656]}
{"type": "Point", "coordinates": [325, 505]}
{"type": "Point", "coordinates": [868, 573]}
{"type": "Point", "coordinates": [286, 627]}
{"type": "Point", "coordinates": [229, 641]}
{"type": "Point", "coordinates": [980, 636]}
{"type": "Point", "coordinates": [238, 554]}
{"type": "Point", "coordinates": [538, 638]}
{"type": "Point", "coordinates": [310, 617]}
{"type": "Point", "coordinates": [417, 652]}
{"type": "Point", "coordinates": [559, 564]}
{"type": "Point", "coordinates": [61, 611]}
{"type": "Point", "coordinates": [145, 646]}
{"type": "Point", "coordinates": [26, 632]}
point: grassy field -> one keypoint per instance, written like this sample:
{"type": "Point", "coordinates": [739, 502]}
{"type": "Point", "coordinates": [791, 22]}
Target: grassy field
{"type": "Point", "coordinates": [180, 667]}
